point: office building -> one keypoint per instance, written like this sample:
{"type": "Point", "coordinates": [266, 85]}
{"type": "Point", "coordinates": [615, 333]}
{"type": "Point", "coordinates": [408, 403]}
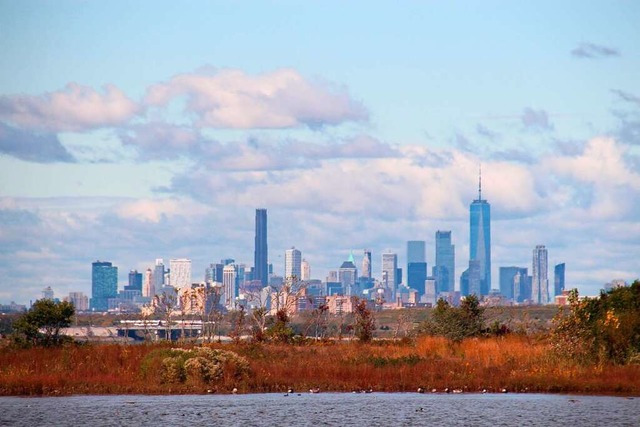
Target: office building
{"type": "Point", "coordinates": [306, 271]}
{"type": "Point", "coordinates": [508, 287]}
{"type": "Point", "coordinates": [444, 270]}
{"type": "Point", "coordinates": [416, 265]}
{"type": "Point", "coordinates": [390, 270]}
{"type": "Point", "coordinates": [540, 281]}
{"type": "Point", "coordinates": [480, 240]}
{"type": "Point", "coordinates": [104, 284]}
{"type": "Point", "coordinates": [148, 284]}
{"type": "Point", "coordinates": [180, 273]}
{"type": "Point", "coordinates": [366, 264]}
{"type": "Point", "coordinates": [260, 254]}
{"type": "Point", "coordinates": [292, 265]}
{"type": "Point", "coordinates": [47, 293]}
{"type": "Point", "coordinates": [229, 286]}
{"type": "Point", "coordinates": [135, 281]}
{"type": "Point", "coordinates": [158, 274]}
{"type": "Point", "coordinates": [79, 300]}
{"type": "Point", "coordinates": [348, 275]}
{"type": "Point", "coordinates": [558, 279]}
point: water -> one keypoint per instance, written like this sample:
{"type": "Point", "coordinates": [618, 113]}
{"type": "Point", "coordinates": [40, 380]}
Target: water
{"type": "Point", "coordinates": [323, 409]}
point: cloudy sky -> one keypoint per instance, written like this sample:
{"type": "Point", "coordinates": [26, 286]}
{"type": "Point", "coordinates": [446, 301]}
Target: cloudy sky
{"type": "Point", "coordinates": [131, 131]}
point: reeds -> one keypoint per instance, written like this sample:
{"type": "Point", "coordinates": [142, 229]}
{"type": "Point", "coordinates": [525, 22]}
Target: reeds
{"type": "Point", "coordinates": [515, 363]}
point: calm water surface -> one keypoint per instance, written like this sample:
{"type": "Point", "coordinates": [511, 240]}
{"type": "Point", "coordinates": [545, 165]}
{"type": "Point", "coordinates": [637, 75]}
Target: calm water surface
{"type": "Point", "coordinates": [324, 409]}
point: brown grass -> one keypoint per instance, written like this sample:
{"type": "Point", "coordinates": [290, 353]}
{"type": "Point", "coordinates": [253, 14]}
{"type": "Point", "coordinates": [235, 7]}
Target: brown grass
{"type": "Point", "coordinates": [517, 363]}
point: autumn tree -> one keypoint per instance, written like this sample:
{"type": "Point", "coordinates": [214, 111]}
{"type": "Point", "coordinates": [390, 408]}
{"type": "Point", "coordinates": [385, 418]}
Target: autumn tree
{"type": "Point", "coordinates": [364, 322]}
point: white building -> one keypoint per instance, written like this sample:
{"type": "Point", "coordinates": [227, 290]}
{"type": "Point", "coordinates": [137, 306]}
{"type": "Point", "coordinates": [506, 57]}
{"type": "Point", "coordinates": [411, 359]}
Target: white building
{"type": "Point", "coordinates": [306, 270]}
{"type": "Point", "coordinates": [229, 288]}
{"type": "Point", "coordinates": [292, 264]}
{"type": "Point", "coordinates": [180, 273]}
{"type": "Point", "coordinates": [540, 281]}
{"type": "Point", "coordinates": [148, 284]}
{"type": "Point", "coordinates": [79, 300]}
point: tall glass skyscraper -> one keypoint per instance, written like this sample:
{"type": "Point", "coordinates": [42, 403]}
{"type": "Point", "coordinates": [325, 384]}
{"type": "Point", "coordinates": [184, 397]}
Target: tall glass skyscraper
{"type": "Point", "coordinates": [416, 265]}
{"type": "Point", "coordinates": [260, 255]}
{"type": "Point", "coordinates": [104, 284]}
{"type": "Point", "coordinates": [480, 239]}
{"type": "Point", "coordinates": [445, 267]}
{"type": "Point", "coordinates": [558, 279]}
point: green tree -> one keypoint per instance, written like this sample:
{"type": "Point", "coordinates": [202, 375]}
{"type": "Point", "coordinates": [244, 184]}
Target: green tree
{"type": "Point", "coordinates": [606, 328]}
{"type": "Point", "coordinates": [456, 323]}
{"type": "Point", "coordinates": [364, 323]}
{"type": "Point", "coordinates": [41, 325]}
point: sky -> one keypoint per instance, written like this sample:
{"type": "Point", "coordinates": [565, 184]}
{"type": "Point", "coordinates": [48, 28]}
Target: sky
{"type": "Point", "coordinates": [131, 131]}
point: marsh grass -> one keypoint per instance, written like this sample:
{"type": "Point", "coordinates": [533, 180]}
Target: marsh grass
{"type": "Point", "coordinates": [517, 363]}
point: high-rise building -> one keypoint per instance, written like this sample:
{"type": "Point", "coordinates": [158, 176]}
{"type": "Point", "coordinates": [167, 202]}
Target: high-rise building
{"type": "Point", "coordinates": [540, 281]}
{"type": "Point", "coordinates": [260, 254]}
{"type": "Point", "coordinates": [180, 273]}
{"type": "Point", "coordinates": [389, 270]}
{"type": "Point", "coordinates": [522, 286]}
{"type": "Point", "coordinates": [558, 279]}
{"type": "Point", "coordinates": [306, 270]}
{"type": "Point", "coordinates": [79, 300]}
{"type": "Point", "coordinates": [475, 278]}
{"type": "Point", "coordinates": [135, 281]}
{"type": "Point", "coordinates": [366, 264]}
{"type": "Point", "coordinates": [444, 271]}
{"type": "Point", "coordinates": [47, 293]}
{"type": "Point", "coordinates": [229, 286]}
{"type": "Point", "coordinates": [416, 266]}
{"type": "Point", "coordinates": [508, 286]}
{"type": "Point", "coordinates": [104, 284]}
{"type": "Point", "coordinates": [480, 239]}
{"type": "Point", "coordinates": [348, 275]}
{"type": "Point", "coordinates": [158, 274]}
{"type": "Point", "coordinates": [292, 264]}
{"type": "Point", "coordinates": [148, 284]}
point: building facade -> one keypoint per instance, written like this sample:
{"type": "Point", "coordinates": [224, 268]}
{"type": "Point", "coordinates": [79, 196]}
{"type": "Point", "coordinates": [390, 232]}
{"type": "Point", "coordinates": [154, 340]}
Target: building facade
{"type": "Point", "coordinates": [104, 285]}
{"type": "Point", "coordinates": [292, 265]}
{"type": "Point", "coordinates": [390, 270]}
{"type": "Point", "coordinates": [540, 281]}
{"type": "Point", "coordinates": [180, 273]}
{"type": "Point", "coordinates": [148, 284]}
{"type": "Point", "coordinates": [261, 253]}
{"type": "Point", "coordinates": [444, 271]}
{"type": "Point", "coordinates": [480, 240]}
{"type": "Point", "coordinates": [558, 279]}
{"type": "Point", "coordinates": [366, 264]}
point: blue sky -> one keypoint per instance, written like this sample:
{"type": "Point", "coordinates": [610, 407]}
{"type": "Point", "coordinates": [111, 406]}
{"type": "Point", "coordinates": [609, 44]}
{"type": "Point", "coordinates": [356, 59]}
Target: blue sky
{"type": "Point", "coordinates": [131, 131]}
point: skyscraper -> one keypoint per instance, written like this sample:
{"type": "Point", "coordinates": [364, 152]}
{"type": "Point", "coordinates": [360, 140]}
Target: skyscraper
{"type": "Point", "coordinates": [509, 288]}
{"type": "Point", "coordinates": [306, 270]}
{"type": "Point", "coordinates": [148, 284]}
{"type": "Point", "coordinates": [260, 254]}
{"type": "Point", "coordinates": [366, 264]}
{"type": "Point", "coordinates": [444, 271]}
{"type": "Point", "coordinates": [540, 282]}
{"type": "Point", "coordinates": [348, 275]}
{"type": "Point", "coordinates": [292, 264]}
{"type": "Point", "coordinates": [135, 281]}
{"type": "Point", "coordinates": [389, 270]}
{"type": "Point", "coordinates": [416, 265]}
{"type": "Point", "coordinates": [104, 284]}
{"type": "Point", "coordinates": [229, 286]}
{"type": "Point", "coordinates": [480, 239]}
{"type": "Point", "coordinates": [180, 273]}
{"type": "Point", "coordinates": [558, 279]}
{"type": "Point", "coordinates": [158, 274]}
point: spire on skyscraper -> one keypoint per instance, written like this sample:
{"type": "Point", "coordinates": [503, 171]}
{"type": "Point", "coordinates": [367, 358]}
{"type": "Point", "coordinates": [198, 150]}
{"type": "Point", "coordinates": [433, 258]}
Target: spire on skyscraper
{"type": "Point", "coordinates": [480, 182]}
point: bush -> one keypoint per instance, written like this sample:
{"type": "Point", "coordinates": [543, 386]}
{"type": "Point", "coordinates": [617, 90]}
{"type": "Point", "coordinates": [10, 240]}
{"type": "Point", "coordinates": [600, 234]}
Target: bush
{"type": "Point", "coordinates": [198, 365]}
{"type": "Point", "coordinates": [602, 329]}
{"type": "Point", "coordinates": [456, 323]}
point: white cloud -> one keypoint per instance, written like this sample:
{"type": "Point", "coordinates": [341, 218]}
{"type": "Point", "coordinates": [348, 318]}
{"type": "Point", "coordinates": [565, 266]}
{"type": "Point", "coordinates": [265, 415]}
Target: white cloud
{"type": "Point", "coordinates": [74, 108]}
{"type": "Point", "coordinates": [230, 98]}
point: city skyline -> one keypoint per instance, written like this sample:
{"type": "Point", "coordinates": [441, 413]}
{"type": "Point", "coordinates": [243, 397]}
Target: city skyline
{"type": "Point", "coordinates": [355, 133]}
